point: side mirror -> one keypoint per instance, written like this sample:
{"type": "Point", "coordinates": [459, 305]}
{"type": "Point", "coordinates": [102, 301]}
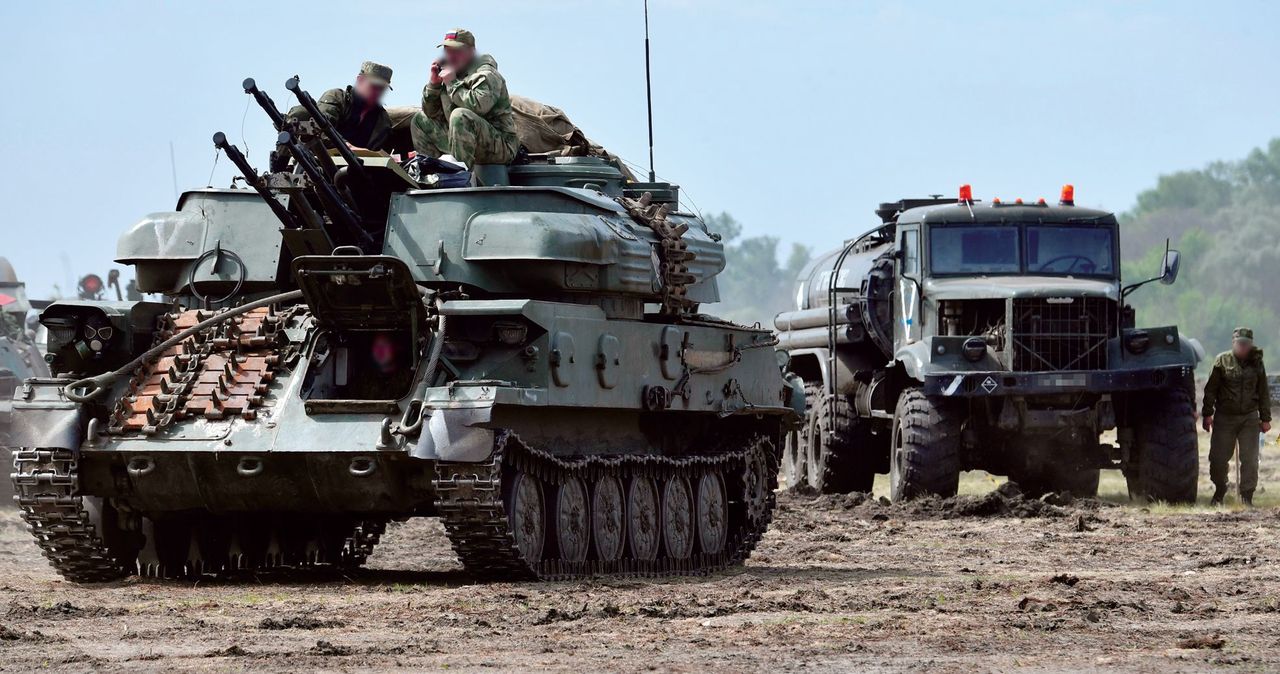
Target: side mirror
{"type": "Point", "coordinates": [1169, 273]}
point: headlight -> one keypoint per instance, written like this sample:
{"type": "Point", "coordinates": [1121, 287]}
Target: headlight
{"type": "Point", "coordinates": [1137, 341]}
{"type": "Point", "coordinates": [974, 349]}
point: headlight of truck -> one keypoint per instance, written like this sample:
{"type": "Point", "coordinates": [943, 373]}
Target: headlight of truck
{"type": "Point", "coordinates": [1137, 341]}
{"type": "Point", "coordinates": [974, 349]}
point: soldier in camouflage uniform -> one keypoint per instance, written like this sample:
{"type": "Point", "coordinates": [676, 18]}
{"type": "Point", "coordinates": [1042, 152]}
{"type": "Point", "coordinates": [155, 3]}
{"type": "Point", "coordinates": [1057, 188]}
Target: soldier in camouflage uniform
{"type": "Point", "coordinates": [466, 111]}
{"type": "Point", "coordinates": [356, 111]}
{"type": "Point", "coordinates": [1237, 404]}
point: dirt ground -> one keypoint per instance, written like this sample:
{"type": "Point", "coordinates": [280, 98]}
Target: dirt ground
{"type": "Point", "coordinates": [981, 582]}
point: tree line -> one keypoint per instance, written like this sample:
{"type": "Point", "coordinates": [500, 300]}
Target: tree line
{"type": "Point", "coordinates": [1225, 219]}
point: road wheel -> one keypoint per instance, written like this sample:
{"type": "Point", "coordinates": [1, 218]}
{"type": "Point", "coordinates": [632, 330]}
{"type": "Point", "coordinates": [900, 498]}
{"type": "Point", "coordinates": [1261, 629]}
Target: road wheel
{"type": "Point", "coordinates": [838, 447]}
{"type": "Point", "coordinates": [925, 454]}
{"type": "Point", "coordinates": [1168, 453]}
{"type": "Point", "coordinates": [527, 512]}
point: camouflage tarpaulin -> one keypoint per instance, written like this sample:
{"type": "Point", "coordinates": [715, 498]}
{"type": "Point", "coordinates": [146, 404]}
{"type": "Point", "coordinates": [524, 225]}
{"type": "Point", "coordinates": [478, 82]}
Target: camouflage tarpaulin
{"type": "Point", "coordinates": [542, 129]}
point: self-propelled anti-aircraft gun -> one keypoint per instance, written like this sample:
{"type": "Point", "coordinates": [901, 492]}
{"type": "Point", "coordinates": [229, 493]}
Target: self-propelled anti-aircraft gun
{"type": "Point", "coordinates": [342, 347]}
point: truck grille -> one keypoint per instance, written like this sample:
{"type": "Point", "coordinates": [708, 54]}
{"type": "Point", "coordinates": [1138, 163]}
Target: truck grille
{"type": "Point", "coordinates": [1060, 333]}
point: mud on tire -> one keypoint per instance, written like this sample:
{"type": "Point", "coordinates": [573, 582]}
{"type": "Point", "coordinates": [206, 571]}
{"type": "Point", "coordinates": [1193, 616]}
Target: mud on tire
{"type": "Point", "coordinates": [925, 455]}
{"type": "Point", "coordinates": [840, 458]}
{"type": "Point", "coordinates": [1168, 453]}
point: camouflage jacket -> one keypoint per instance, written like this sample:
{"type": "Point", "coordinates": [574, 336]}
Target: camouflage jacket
{"type": "Point", "coordinates": [479, 89]}
{"type": "Point", "coordinates": [343, 107]}
{"type": "Point", "coordinates": [1237, 388]}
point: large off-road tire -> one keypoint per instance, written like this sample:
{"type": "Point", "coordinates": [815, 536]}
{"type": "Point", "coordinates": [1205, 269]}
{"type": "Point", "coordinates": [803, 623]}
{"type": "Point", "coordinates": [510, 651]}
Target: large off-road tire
{"type": "Point", "coordinates": [925, 454]}
{"type": "Point", "coordinates": [838, 447]}
{"type": "Point", "coordinates": [795, 450]}
{"type": "Point", "coordinates": [1168, 452]}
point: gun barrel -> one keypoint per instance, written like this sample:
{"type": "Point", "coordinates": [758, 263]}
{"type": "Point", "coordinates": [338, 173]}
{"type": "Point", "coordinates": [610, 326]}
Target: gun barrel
{"type": "Point", "coordinates": [337, 208]}
{"type": "Point", "coordinates": [326, 125]}
{"type": "Point", "coordinates": [265, 102]}
{"type": "Point", "coordinates": [255, 181]}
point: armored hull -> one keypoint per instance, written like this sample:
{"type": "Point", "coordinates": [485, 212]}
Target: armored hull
{"type": "Point", "coordinates": [19, 359]}
{"type": "Point", "coordinates": [522, 358]}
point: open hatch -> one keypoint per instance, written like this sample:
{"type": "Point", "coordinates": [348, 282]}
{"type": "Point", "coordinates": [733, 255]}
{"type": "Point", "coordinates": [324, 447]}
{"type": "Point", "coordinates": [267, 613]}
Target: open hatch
{"type": "Point", "coordinates": [371, 322]}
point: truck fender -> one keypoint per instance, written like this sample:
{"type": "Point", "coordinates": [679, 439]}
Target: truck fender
{"type": "Point", "coordinates": [914, 359]}
{"type": "Point", "coordinates": [811, 365]}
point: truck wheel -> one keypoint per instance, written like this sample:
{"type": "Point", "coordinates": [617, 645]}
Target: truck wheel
{"type": "Point", "coordinates": [795, 452]}
{"type": "Point", "coordinates": [839, 449]}
{"type": "Point", "coordinates": [925, 455]}
{"type": "Point", "coordinates": [1168, 452]}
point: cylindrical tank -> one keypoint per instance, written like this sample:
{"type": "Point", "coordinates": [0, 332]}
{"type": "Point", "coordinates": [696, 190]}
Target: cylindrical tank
{"type": "Point", "coordinates": [865, 274]}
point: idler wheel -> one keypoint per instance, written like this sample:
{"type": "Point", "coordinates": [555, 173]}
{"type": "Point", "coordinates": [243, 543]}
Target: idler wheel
{"type": "Point", "coordinates": [607, 523]}
{"type": "Point", "coordinates": [642, 519]}
{"type": "Point", "coordinates": [713, 514]}
{"type": "Point", "coordinates": [573, 528]}
{"type": "Point", "coordinates": [527, 513]}
{"type": "Point", "coordinates": [677, 518]}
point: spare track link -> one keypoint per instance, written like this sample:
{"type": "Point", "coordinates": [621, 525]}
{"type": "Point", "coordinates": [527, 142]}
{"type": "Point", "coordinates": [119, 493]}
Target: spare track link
{"type": "Point", "coordinates": [46, 482]}
{"type": "Point", "coordinates": [469, 498]}
{"type": "Point", "coordinates": [673, 252]}
{"type": "Point", "coordinates": [220, 372]}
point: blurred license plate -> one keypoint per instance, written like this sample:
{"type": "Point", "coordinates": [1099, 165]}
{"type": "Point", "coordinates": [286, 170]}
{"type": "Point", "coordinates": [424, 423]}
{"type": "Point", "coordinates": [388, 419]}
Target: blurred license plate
{"type": "Point", "coordinates": [1064, 380]}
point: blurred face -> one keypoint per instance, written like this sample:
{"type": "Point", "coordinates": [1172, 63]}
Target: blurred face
{"type": "Point", "coordinates": [459, 58]}
{"type": "Point", "coordinates": [1241, 347]}
{"type": "Point", "coordinates": [368, 90]}
{"type": "Point", "coordinates": [383, 352]}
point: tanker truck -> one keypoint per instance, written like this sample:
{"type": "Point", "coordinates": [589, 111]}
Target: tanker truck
{"type": "Point", "coordinates": [960, 335]}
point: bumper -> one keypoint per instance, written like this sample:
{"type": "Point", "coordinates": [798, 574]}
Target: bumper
{"type": "Point", "coordinates": [1005, 384]}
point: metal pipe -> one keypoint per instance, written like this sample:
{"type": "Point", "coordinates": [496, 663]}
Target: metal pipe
{"type": "Point", "coordinates": [809, 318]}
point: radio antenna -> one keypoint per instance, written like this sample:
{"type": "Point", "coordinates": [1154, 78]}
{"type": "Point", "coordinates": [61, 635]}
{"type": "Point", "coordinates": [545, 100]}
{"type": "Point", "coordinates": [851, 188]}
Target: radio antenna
{"type": "Point", "coordinates": [648, 90]}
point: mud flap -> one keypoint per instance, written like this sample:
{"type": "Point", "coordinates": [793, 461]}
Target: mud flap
{"type": "Point", "coordinates": [43, 417]}
{"type": "Point", "coordinates": [455, 435]}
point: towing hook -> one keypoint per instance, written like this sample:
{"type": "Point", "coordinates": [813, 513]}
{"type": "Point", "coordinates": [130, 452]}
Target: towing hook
{"type": "Point", "coordinates": [387, 436]}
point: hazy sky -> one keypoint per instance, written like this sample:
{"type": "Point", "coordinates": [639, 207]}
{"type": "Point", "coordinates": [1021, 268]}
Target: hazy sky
{"type": "Point", "coordinates": [797, 116]}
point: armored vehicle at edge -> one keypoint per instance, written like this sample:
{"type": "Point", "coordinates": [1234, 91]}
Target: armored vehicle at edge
{"type": "Point", "coordinates": [962, 335]}
{"type": "Point", "coordinates": [20, 358]}
{"type": "Point", "coordinates": [344, 346]}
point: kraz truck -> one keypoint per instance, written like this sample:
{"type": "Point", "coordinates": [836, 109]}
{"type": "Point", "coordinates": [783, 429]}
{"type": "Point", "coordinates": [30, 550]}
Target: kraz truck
{"type": "Point", "coordinates": [961, 335]}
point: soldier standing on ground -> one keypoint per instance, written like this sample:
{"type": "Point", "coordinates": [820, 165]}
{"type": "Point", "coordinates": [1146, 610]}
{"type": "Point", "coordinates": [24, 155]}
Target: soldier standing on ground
{"type": "Point", "coordinates": [466, 110]}
{"type": "Point", "coordinates": [1237, 404]}
{"type": "Point", "coordinates": [356, 111]}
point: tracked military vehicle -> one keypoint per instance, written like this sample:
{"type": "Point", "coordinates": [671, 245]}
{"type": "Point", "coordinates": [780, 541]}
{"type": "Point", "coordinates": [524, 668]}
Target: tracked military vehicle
{"type": "Point", "coordinates": [20, 358]}
{"type": "Point", "coordinates": [963, 335]}
{"type": "Point", "coordinates": [343, 345]}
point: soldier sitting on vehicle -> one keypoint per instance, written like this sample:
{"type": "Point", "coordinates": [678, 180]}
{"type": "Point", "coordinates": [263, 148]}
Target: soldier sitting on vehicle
{"type": "Point", "coordinates": [466, 111]}
{"type": "Point", "coordinates": [1237, 404]}
{"type": "Point", "coordinates": [356, 111]}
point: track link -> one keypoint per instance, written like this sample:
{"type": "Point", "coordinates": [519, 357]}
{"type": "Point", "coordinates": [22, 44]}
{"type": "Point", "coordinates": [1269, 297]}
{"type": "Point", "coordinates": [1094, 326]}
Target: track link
{"type": "Point", "coordinates": [473, 500]}
{"type": "Point", "coordinates": [84, 540]}
{"type": "Point", "coordinates": [60, 519]}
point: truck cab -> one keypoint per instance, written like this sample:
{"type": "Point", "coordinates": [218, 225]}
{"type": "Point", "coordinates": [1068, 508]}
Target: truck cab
{"type": "Point", "coordinates": [1005, 325]}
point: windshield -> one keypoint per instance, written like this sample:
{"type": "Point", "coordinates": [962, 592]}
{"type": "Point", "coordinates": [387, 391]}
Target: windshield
{"type": "Point", "coordinates": [1058, 250]}
{"type": "Point", "coordinates": [1079, 251]}
{"type": "Point", "coordinates": [987, 249]}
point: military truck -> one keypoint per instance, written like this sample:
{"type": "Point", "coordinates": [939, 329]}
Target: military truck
{"type": "Point", "coordinates": [960, 335]}
{"type": "Point", "coordinates": [19, 358]}
{"type": "Point", "coordinates": [343, 344]}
